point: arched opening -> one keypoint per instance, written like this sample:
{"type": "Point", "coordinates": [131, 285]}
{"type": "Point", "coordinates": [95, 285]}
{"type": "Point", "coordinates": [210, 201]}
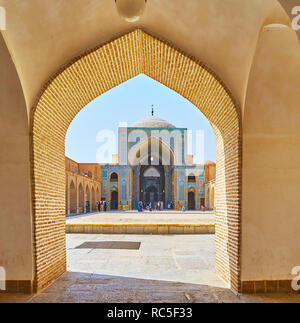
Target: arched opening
{"type": "Point", "coordinates": [153, 165]}
{"type": "Point", "coordinates": [89, 77]}
{"type": "Point", "coordinates": [152, 184]}
{"type": "Point", "coordinates": [114, 177]}
{"type": "Point", "coordinates": [93, 206]}
{"type": "Point", "coordinates": [81, 199]}
{"type": "Point", "coordinates": [73, 198]}
{"type": "Point", "coordinates": [87, 199]}
{"type": "Point", "coordinates": [191, 178]}
{"type": "Point", "coordinates": [114, 200]}
{"type": "Point", "coordinates": [191, 201]}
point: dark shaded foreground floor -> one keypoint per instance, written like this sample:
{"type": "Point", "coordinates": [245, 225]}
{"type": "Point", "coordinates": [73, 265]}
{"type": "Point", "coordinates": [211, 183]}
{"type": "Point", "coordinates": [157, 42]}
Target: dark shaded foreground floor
{"type": "Point", "coordinates": [77, 287]}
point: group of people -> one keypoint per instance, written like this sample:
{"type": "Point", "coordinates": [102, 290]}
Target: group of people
{"type": "Point", "coordinates": [142, 206]}
{"type": "Point", "coordinates": [101, 206]}
{"type": "Point", "coordinates": [149, 206]}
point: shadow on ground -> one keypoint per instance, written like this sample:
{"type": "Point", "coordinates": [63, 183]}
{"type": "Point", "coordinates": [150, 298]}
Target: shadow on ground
{"type": "Point", "coordinates": [75, 287]}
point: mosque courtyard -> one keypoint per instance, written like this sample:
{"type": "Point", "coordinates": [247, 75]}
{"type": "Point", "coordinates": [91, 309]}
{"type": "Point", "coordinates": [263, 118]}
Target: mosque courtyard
{"type": "Point", "coordinates": [149, 151]}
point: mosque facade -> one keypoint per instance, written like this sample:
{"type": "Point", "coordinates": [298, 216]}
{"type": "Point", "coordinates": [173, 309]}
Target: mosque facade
{"type": "Point", "coordinates": [152, 165]}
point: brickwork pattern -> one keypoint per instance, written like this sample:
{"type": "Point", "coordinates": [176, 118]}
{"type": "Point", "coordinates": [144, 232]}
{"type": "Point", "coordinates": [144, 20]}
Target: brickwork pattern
{"type": "Point", "coordinates": [75, 198]}
{"type": "Point", "coordinates": [91, 75]}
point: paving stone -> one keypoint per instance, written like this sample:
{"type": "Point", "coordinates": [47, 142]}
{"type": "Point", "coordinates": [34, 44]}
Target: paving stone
{"type": "Point", "coordinates": [165, 269]}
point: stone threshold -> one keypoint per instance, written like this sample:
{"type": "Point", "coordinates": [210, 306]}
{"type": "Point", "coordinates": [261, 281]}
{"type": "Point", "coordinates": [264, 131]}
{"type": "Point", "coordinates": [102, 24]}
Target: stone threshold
{"type": "Point", "coordinates": [141, 228]}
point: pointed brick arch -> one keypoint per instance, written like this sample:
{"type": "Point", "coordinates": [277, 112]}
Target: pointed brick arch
{"type": "Point", "coordinates": [80, 198]}
{"type": "Point", "coordinates": [93, 74]}
{"type": "Point", "coordinates": [93, 199]}
{"type": "Point", "coordinates": [73, 197]}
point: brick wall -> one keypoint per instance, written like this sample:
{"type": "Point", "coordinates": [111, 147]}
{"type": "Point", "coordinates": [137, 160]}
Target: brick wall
{"type": "Point", "coordinates": [96, 72]}
{"type": "Point", "coordinates": [77, 183]}
{"type": "Point", "coordinates": [93, 169]}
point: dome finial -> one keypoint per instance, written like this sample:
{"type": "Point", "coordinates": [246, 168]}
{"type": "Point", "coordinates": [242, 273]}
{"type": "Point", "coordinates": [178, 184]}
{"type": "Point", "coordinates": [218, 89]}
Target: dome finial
{"type": "Point", "coordinates": [152, 110]}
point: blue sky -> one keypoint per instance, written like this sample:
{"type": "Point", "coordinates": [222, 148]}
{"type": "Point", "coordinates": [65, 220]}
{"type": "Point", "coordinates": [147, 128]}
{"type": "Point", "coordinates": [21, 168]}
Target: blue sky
{"type": "Point", "coordinates": [130, 102]}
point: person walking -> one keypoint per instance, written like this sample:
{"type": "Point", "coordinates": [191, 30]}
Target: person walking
{"type": "Point", "coordinates": [140, 206]}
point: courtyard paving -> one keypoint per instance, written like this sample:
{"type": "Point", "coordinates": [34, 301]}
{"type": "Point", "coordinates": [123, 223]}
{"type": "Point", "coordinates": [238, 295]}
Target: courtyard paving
{"type": "Point", "coordinates": [183, 258]}
{"type": "Point", "coordinates": [141, 268]}
{"type": "Point", "coordinates": [134, 217]}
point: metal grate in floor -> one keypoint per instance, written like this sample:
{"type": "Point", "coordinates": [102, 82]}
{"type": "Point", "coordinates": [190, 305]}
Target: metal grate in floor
{"type": "Point", "coordinates": [126, 245]}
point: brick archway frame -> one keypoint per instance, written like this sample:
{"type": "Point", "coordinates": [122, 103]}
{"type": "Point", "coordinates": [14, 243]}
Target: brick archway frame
{"type": "Point", "coordinates": [95, 73]}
